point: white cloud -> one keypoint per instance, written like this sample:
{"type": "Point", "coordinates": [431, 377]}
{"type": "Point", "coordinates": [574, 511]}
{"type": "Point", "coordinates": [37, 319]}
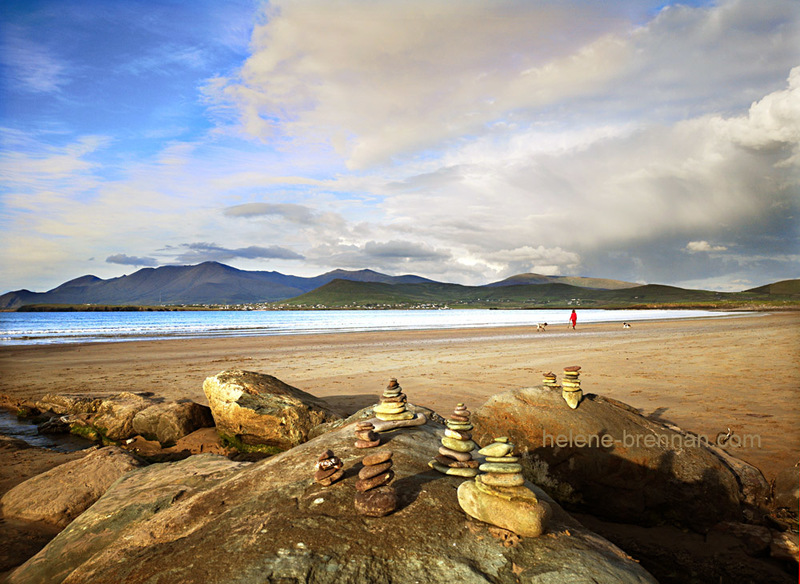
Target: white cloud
{"type": "Point", "coordinates": [31, 66]}
{"type": "Point", "coordinates": [704, 246]}
{"type": "Point", "coordinates": [383, 80]}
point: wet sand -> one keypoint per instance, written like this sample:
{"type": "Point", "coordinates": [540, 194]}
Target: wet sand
{"type": "Point", "coordinates": [705, 375]}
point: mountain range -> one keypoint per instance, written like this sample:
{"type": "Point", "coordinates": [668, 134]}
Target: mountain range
{"type": "Point", "coordinates": [213, 283]}
{"type": "Point", "coordinates": [216, 283]}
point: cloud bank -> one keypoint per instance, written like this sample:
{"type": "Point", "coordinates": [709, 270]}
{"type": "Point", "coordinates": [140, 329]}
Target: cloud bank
{"type": "Point", "coordinates": [463, 142]}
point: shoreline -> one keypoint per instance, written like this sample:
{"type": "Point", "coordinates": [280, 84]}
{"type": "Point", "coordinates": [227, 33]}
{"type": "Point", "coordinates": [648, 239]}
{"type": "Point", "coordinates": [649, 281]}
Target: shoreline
{"type": "Point", "coordinates": [265, 330]}
{"type": "Point", "coordinates": [703, 374]}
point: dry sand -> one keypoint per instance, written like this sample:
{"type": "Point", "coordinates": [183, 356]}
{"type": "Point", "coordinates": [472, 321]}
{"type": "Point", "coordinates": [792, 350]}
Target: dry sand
{"type": "Point", "coordinates": [705, 375]}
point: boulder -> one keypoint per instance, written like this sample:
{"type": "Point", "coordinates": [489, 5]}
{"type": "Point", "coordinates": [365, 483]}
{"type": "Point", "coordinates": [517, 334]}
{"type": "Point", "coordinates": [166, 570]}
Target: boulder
{"type": "Point", "coordinates": [253, 409]}
{"type": "Point", "coordinates": [71, 403]}
{"type": "Point", "coordinates": [60, 494]}
{"type": "Point", "coordinates": [209, 520]}
{"type": "Point", "coordinates": [114, 416]}
{"type": "Point", "coordinates": [787, 489]}
{"type": "Point", "coordinates": [608, 460]}
{"type": "Point", "coordinates": [123, 415]}
{"type": "Point", "coordinates": [170, 421]}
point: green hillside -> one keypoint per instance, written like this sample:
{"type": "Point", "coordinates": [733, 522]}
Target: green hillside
{"type": "Point", "coordinates": [782, 288]}
{"type": "Point", "coordinates": [344, 294]}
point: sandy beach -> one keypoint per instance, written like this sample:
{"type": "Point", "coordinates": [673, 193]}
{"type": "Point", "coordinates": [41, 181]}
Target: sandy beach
{"type": "Point", "coordinates": [705, 375]}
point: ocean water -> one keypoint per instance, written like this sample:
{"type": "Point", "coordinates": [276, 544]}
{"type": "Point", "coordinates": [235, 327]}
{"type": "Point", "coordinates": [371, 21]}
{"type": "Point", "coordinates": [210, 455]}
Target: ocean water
{"type": "Point", "coordinates": [24, 430]}
{"type": "Point", "coordinates": [30, 328]}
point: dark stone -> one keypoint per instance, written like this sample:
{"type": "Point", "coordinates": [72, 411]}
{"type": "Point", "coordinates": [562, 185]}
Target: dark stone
{"type": "Point", "coordinates": [377, 502]}
{"type": "Point", "coordinates": [370, 471]}
{"type": "Point", "coordinates": [329, 480]}
{"type": "Point", "coordinates": [363, 485]}
{"type": "Point", "coordinates": [324, 474]}
{"type": "Point", "coordinates": [453, 463]}
{"type": "Point", "coordinates": [368, 443]}
{"type": "Point", "coordinates": [377, 458]}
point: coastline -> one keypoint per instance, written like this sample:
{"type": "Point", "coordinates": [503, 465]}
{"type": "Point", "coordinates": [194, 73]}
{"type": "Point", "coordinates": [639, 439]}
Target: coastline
{"type": "Point", "coordinates": [70, 328]}
{"type": "Point", "coordinates": [702, 374]}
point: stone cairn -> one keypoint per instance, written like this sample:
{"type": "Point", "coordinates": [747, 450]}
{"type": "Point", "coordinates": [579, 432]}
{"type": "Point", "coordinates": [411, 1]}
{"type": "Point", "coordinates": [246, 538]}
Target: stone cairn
{"type": "Point", "coordinates": [328, 469]}
{"type": "Point", "coordinates": [392, 411]}
{"type": "Point", "coordinates": [392, 406]}
{"type": "Point", "coordinates": [500, 496]}
{"type": "Point", "coordinates": [455, 453]}
{"type": "Point", "coordinates": [366, 437]}
{"type": "Point", "coordinates": [375, 497]}
{"type": "Point", "coordinates": [549, 379]}
{"type": "Point", "coordinates": [571, 386]}
{"type": "Point", "coordinates": [502, 468]}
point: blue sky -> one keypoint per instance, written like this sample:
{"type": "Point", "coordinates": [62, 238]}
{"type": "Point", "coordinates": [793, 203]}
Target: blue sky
{"type": "Point", "coordinates": [462, 141]}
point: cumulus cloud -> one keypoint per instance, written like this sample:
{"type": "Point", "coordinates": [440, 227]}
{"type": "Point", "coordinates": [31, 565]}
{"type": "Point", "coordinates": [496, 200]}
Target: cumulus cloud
{"type": "Point", "coordinates": [203, 252]}
{"type": "Point", "coordinates": [377, 88]}
{"type": "Point", "coordinates": [771, 122]}
{"type": "Point", "coordinates": [126, 260]}
{"type": "Point", "coordinates": [615, 191]}
{"type": "Point", "coordinates": [386, 79]}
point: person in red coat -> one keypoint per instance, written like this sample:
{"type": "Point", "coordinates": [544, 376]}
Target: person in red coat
{"type": "Point", "coordinates": [573, 318]}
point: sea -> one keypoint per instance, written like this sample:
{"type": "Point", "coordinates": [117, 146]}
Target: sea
{"type": "Point", "coordinates": [42, 328]}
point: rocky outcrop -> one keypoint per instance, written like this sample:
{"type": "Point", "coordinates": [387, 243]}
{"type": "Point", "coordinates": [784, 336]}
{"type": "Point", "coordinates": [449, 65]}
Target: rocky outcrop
{"type": "Point", "coordinates": [254, 409]}
{"type": "Point", "coordinates": [209, 520]}
{"type": "Point", "coordinates": [114, 416]}
{"type": "Point", "coordinates": [610, 461]}
{"type": "Point", "coordinates": [170, 421]}
{"type": "Point", "coordinates": [124, 415]}
{"type": "Point", "coordinates": [61, 494]}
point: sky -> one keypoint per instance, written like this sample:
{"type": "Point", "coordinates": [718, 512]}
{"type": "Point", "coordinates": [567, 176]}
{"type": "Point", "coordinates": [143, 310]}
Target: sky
{"type": "Point", "coordinates": [460, 140]}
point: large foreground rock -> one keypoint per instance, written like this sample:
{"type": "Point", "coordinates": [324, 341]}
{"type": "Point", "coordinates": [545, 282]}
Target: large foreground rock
{"type": "Point", "coordinates": [256, 409]}
{"type": "Point", "coordinates": [209, 520]}
{"type": "Point", "coordinates": [168, 422]}
{"type": "Point", "coordinates": [610, 461]}
{"type": "Point", "coordinates": [123, 415]}
{"type": "Point", "coordinates": [61, 494]}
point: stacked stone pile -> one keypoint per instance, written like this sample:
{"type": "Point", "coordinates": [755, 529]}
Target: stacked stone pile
{"type": "Point", "coordinates": [571, 386]}
{"type": "Point", "coordinates": [375, 497]}
{"type": "Point", "coordinates": [366, 435]}
{"type": "Point", "coordinates": [392, 404]}
{"type": "Point", "coordinates": [328, 469]}
{"type": "Point", "coordinates": [455, 453]}
{"type": "Point", "coordinates": [392, 411]}
{"type": "Point", "coordinates": [549, 379]}
{"type": "Point", "coordinates": [500, 497]}
{"type": "Point", "coordinates": [502, 468]}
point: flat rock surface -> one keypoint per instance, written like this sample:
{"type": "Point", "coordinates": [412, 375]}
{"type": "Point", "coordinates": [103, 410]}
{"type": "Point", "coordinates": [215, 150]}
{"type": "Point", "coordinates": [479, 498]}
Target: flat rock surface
{"type": "Point", "coordinates": [207, 519]}
{"type": "Point", "coordinates": [60, 494]}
